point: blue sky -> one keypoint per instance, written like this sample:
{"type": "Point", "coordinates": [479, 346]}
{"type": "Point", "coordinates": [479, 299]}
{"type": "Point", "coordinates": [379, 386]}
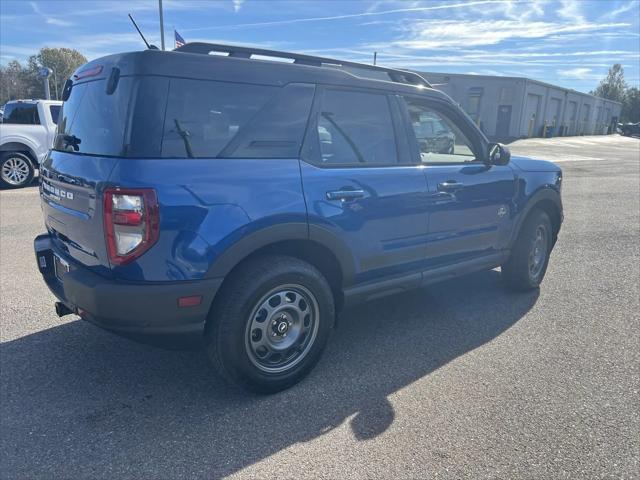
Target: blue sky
{"type": "Point", "coordinates": [567, 42]}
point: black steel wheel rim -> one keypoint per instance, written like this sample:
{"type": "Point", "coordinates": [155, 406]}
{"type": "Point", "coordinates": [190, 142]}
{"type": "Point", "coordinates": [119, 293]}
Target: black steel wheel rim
{"type": "Point", "coordinates": [282, 328]}
{"type": "Point", "coordinates": [538, 253]}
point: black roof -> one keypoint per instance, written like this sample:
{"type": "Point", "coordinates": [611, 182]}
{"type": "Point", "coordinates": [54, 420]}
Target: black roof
{"type": "Point", "coordinates": [239, 64]}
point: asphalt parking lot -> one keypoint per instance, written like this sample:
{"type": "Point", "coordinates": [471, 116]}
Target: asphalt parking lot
{"type": "Point", "coordinates": [460, 380]}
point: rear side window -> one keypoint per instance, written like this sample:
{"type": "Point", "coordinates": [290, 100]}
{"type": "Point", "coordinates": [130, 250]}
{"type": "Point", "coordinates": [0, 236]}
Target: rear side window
{"type": "Point", "coordinates": [202, 117]}
{"type": "Point", "coordinates": [354, 128]}
{"type": "Point", "coordinates": [218, 119]}
{"type": "Point", "coordinates": [21, 113]}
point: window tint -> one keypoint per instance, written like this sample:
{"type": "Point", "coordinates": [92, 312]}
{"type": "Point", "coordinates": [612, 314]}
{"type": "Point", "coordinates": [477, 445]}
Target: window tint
{"type": "Point", "coordinates": [21, 113]}
{"type": "Point", "coordinates": [355, 128]}
{"type": "Point", "coordinates": [154, 117]}
{"type": "Point", "coordinates": [438, 138]}
{"type": "Point", "coordinates": [202, 117]}
{"type": "Point", "coordinates": [278, 129]}
{"type": "Point", "coordinates": [55, 112]}
{"type": "Point", "coordinates": [93, 122]}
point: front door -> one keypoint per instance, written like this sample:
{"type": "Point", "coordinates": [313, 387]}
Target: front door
{"type": "Point", "coordinates": [469, 201]}
{"type": "Point", "coordinates": [361, 186]}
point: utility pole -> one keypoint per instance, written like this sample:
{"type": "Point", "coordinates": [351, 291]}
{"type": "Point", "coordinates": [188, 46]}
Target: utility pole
{"type": "Point", "coordinates": [161, 25]}
{"type": "Point", "coordinates": [375, 57]}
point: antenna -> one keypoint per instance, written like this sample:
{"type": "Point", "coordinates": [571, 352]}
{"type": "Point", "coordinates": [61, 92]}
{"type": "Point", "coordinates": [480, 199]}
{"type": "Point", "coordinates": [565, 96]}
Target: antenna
{"type": "Point", "coordinates": [143, 39]}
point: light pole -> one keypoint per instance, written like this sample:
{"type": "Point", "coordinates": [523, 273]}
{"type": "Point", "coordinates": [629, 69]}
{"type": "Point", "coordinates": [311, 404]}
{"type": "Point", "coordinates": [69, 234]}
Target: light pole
{"type": "Point", "coordinates": [45, 73]}
{"type": "Point", "coordinates": [161, 25]}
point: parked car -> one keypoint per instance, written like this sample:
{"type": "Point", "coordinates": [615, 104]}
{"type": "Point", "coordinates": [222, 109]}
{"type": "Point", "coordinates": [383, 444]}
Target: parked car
{"type": "Point", "coordinates": [246, 201]}
{"type": "Point", "coordinates": [433, 135]}
{"type": "Point", "coordinates": [629, 129]}
{"type": "Point", "coordinates": [26, 135]}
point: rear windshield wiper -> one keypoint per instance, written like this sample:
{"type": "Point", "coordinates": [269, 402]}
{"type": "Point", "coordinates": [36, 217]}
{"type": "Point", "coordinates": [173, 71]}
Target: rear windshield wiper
{"type": "Point", "coordinates": [185, 138]}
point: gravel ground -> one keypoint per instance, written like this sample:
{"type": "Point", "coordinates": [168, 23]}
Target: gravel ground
{"type": "Point", "coordinates": [460, 380]}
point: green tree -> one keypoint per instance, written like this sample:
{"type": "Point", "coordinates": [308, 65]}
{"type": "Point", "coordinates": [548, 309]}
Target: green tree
{"type": "Point", "coordinates": [631, 106]}
{"type": "Point", "coordinates": [613, 86]}
{"type": "Point", "coordinates": [18, 81]}
{"type": "Point", "coordinates": [63, 62]}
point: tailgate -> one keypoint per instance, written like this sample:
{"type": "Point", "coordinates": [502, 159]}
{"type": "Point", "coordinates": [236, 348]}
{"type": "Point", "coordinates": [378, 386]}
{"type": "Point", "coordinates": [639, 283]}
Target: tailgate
{"type": "Point", "coordinates": [71, 192]}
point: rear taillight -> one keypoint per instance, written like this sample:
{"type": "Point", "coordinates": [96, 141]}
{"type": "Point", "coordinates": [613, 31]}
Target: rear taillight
{"type": "Point", "coordinates": [131, 222]}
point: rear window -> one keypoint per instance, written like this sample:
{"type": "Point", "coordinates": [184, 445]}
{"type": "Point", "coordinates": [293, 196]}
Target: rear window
{"type": "Point", "coordinates": [21, 113]}
{"type": "Point", "coordinates": [159, 117]}
{"type": "Point", "coordinates": [93, 122]}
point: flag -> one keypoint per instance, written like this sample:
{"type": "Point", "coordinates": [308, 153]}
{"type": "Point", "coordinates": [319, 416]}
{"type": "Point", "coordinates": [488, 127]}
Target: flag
{"type": "Point", "coordinates": [179, 40]}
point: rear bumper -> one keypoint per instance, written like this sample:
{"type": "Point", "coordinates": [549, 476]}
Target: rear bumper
{"type": "Point", "coordinates": [133, 309]}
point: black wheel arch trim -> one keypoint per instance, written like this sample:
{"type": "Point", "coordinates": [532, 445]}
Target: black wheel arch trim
{"type": "Point", "coordinates": [273, 234]}
{"type": "Point", "coordinates": [535, 201]}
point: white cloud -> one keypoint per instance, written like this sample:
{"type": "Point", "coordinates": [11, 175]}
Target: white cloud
{"type": "Point", "coordinates": [625, 7]}
{"type": "Point", "coordinates": [571, 10]}
{"type": "Point", "coordinates": [431, 34]}
{"type": "Point", "coordinates": [445, 6]}
{"type": "Point", "coordinates": [579, 73]}
{"type": "Point", "coordinates": [58, 22]}
{"type": "Point", "coordinates": [50, 20]}
{"type": "Point", "coordinates": [237, 4]}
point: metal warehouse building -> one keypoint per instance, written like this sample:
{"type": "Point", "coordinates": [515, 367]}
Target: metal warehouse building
{"type": "Point", "coordinates": [506, 108]}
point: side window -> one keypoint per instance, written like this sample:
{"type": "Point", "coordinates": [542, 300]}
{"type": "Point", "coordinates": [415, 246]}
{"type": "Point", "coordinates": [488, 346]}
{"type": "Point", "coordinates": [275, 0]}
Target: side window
{"type": "Point", "coordinates": [439, 139]}
{"type": "Point", "coordinates": [202, 117]}
{"type": "Point", "coordinates": [355, 128]}
{"type": "Point", "coordinates": [55, 112]}
{"type": "Point", "coordinates": [22, 113]}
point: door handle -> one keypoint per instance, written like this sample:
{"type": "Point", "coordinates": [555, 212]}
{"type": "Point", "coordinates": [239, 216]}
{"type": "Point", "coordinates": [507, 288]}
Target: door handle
{"type": "Point", "coordinates": [450, 186]}
{"type": "Point", "coordinates": [344, 195]}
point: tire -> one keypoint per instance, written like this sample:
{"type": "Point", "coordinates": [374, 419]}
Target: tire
{"type": "Point", "coordinates": [529, 258]}
{"type": "Point", "coordinates": [16, 170]}
{"type": "Point", "coordinates": [246, 337]}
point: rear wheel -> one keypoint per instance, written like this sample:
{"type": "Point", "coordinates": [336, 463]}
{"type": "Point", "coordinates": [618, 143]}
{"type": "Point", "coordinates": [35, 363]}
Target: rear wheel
{"type": "Point", "coordinates": [16, 170]}
{"type": "Point", "coordinates": [270, 323]}
{"type": "Point", "coordinates": [529, 258]}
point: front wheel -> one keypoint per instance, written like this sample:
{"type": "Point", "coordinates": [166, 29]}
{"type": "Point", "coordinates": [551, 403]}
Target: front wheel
{"type": "Point", "coordinates": [529, 258]}
{"type": "Point", "coordinates": [270, 323]}
{"type": "Point", "coordinates": [16, 170]}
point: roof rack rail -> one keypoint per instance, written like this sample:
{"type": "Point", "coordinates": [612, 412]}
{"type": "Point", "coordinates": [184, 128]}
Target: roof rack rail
{"type": "Point", "coordinates": [395, 75]}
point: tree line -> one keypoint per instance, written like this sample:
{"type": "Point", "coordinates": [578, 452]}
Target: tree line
{"type": "Point", "coordinates": [18, 81]}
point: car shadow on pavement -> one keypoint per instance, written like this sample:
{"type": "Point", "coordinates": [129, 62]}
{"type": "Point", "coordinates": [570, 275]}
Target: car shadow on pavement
{"type": "Point", "coordinates": [77, 402]}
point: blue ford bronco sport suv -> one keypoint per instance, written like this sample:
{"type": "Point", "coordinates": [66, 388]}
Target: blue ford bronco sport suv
{"type": "Point", "coordinates": [208, 192]}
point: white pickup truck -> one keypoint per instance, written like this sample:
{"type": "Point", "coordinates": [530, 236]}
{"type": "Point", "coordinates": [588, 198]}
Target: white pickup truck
{"type": "Point", "coordinates": [27, 132]}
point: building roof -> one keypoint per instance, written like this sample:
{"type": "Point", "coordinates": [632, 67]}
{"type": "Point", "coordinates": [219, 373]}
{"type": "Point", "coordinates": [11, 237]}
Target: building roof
{"type": "Point", "coordinates": [429, 77]}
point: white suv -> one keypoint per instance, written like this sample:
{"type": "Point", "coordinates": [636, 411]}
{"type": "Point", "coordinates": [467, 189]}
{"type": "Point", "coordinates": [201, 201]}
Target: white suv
{"type": "Point", "coordinates": [27, 132]}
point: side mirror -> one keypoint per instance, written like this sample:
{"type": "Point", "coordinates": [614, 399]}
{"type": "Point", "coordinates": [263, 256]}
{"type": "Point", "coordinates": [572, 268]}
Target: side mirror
{"type": "Point", "coordinates": [498, 154]}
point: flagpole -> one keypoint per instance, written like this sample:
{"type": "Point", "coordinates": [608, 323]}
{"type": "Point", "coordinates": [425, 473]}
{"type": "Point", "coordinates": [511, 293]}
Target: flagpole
{"type": "Point", "coordinates": [161, 25]}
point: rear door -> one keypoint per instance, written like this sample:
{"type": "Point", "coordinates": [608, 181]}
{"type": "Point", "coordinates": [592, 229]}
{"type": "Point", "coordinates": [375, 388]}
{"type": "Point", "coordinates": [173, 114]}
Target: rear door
{"type": "Point", "coordinates": [470, 202]}
{"type": "Point", "coordinates": [361, 185]}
